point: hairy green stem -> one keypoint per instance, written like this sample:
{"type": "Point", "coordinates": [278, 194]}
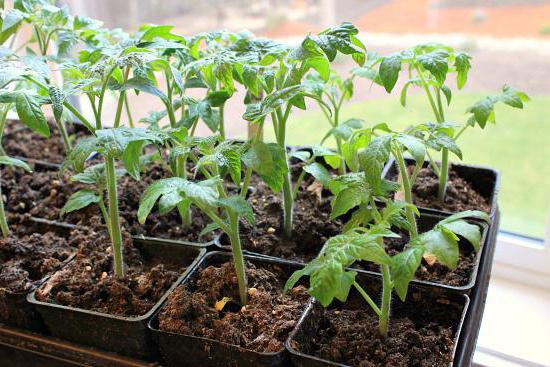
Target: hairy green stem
{"type": "Point", "coordinates": [246, 182]}
{"type": "Point", "coordinates": [238, 258]}
{"type": "Point", "coordinates": [459, 133]}
{"type": "Point", "coordinates": [104, 213]}
{"type": "Point", "coordinates": [128, 111]}
{"type": "Point", "coordinates": [222, 121]}
{"type": "Point", "coordinates": [114, 220]}
{"type": "Point", "coordinates": [121, 99]}
{"type": "Point", "coordinates": [434, 166]}
{"type": "Point", "coordinates": [407, 189]}
{"type": "Point", "coordinates": [384, 318]}
{"type": "Point", "coordinates": [444, 170]}
{"type": "Point", "coordinates": [288, 197]}
{"type": "Point", "coordinates": [64, 135]}
{"type": "Point", "coordinates": [101, 99]}
{"type": "Point", "coordinates": [3, 221]}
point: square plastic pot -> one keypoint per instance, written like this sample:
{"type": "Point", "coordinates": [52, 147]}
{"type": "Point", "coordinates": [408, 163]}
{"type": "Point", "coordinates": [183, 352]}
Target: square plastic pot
{"type": "Point", "coordinates": [123, 335]}
{"type": "Point", "coordinates": [308, 324]}
{"type": "Point", "coordinates": [17, 312]}
{"type": "Point", "coordinates": [178, 349]}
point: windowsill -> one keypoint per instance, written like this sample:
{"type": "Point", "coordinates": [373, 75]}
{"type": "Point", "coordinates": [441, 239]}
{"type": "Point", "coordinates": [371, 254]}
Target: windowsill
{"type": "Point", "coordinates": [515, 330]}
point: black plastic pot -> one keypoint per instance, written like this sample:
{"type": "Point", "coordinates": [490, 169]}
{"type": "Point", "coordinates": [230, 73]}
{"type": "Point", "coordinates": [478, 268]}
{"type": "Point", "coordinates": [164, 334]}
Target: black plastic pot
{"type": "Point", "coordinates": [18, 312]}
{"type": "Point", "coordinates": [478, 296]}
{"type": "Point", "coordinates": [425, 223]}
{"type": "Point", "coordinates": [178, 349]}
{"type": "Point", "coordinates": [484, 180]}
{"type": "Point", "coordinates": [308, 324]}
{"type": "Point", "coordinates": [123, 335]}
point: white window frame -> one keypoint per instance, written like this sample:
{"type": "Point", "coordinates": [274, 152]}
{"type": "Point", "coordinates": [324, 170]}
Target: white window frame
{"type": "Point", "coordinates": [522, 259]}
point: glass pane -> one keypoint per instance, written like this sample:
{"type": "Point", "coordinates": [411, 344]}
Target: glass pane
{"type": "Point", "coordinates": [508, 39]}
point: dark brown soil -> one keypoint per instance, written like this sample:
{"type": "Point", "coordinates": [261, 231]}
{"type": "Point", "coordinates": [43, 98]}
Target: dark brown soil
{"type": "Point", "coordinates": [420, 334]}
{"type": "Point", "coordinates": [263, 325]}
{"type": "Point", "coordinates": [43, 193]}
{"type": "Point", "coordinates": [436, 272]}
{"type": "Point", "coordinates": [88, 282]}
{"type": "Point", "coordinates": [312, 224]}
{"type": "Point", "coordinates": [25, 143]}
{"type": "Point", "coordinates": [27, 259]}
{"type": "Point", "coordinates": [461, 195]}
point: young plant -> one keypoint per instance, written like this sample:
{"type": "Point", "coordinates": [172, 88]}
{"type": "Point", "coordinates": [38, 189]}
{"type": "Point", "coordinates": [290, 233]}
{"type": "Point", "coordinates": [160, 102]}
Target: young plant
{"type": "Point", "coordinates": [334, 92]}
{"type": "Point", "coordinates": [428, 68]}
{"type": "Point", "coordinates": [286, 90]}
{"type": "Point", "coordinates": [113, 144]}
{"type": "Point", "coordinates": [364, 233]}
{"type": "Point", "coordinates": [215, 158]}
{"type": "Point", "coordinates": [363, 239]}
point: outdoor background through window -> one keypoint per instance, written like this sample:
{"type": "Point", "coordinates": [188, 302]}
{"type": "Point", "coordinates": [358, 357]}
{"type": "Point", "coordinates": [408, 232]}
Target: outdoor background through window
{"type": "Point", "coordinates": [508, 39]}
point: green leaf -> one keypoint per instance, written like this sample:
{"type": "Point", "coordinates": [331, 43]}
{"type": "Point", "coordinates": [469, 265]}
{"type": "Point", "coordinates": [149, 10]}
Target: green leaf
{"type": "Point", "coordinates": [373, 158]}
{"type": "Point", "coordinates": [241, 206]}
{"type": "Point", "coordinates": [436, 63]}
{"type": "Point", "coordinates": [348, 199]}
{"type": "Point", "coordinates": [341, 38]}
{"type": "Point", "coordinates": [79, 200]}
{"type": "Point", "coordinates": [9, 161]}
{"type": "Point", "coordinates": [302, 155]}
{"type": "Point", "coordinates": [389, 71]}
{"type": "Point", "coordinates": [318, 171]}
{"type": "Point", "coordinates": [470, 232]}
{"type": "Point", "coordinates": [442, 244]}
{"type": "Point", "coordinates": [462, 65]}
{"type": "Point", "coordinates": [268, 161]}
{"type": "Point", "coordinates": [513, 97]}
{"type": "Point", "coordinates": [472, 214]}
{"type": "Point", "coordinates": [403, 267]}
{"type": "Point", "coordinates": [117, 140]}
{"type": "Point", "coordinates": [483, 110]}
{"type": "Point", "coordinates": [144, 85]}
{"type": "Point", "coordinates": [31, 114]}
{"type": "Point", "coordinates": [12, 18]}
{"type": "Point", "coordinates": [218, 98]}
{"type": "Point", "coordinates": [442, 140]}
{"type": "Point", "coordinates": [414, 145]}
{"type": "Point", "coordinates": [57, 98]}
{"type": "Point", "coordinates": [328, 280]}
{"type": "Point", "coordinates": [447, 92]}
{"type": "Point", "coordinates": [403, 98]}
{"type": "Point", "coordinates": [131, 158]}
{"type": "Point", "coordinates": [79, 154]}
{"type": "Point", "coordinates": [203, 193]}
{"type": "Point", "coordinates": [256, 111]}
